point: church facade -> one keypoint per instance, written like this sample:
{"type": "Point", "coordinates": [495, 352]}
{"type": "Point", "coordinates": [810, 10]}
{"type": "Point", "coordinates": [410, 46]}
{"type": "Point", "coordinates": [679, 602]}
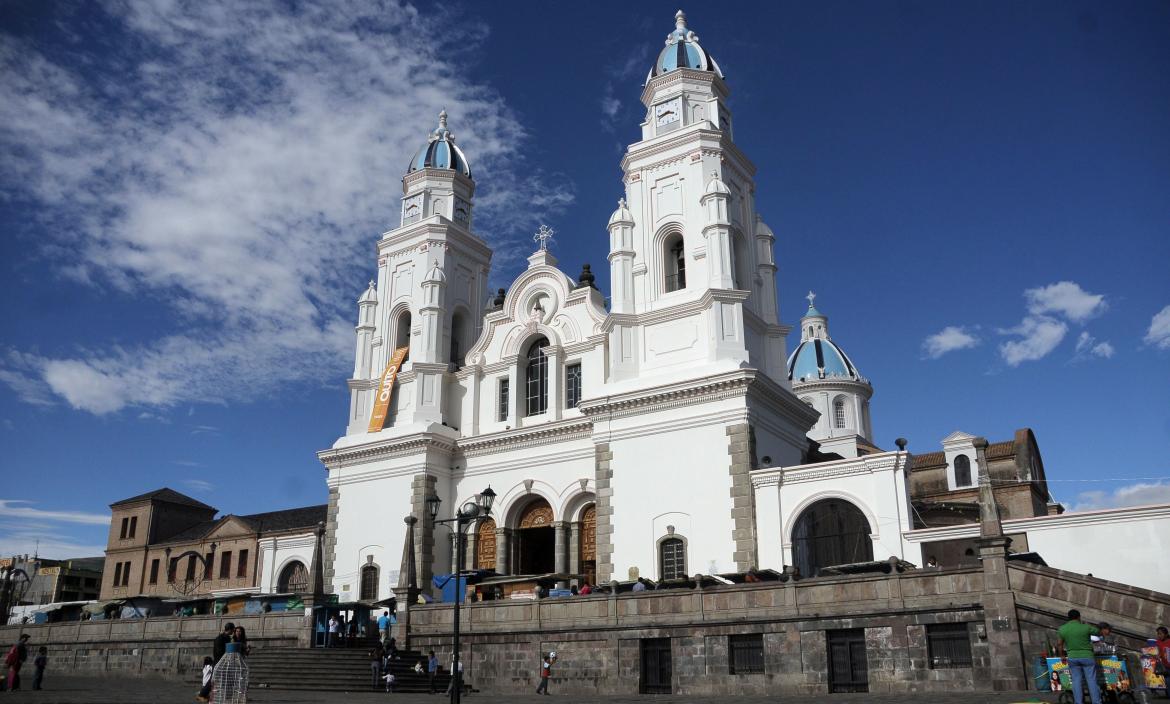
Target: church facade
{"type": "Point", "coordinates": [665, 434]}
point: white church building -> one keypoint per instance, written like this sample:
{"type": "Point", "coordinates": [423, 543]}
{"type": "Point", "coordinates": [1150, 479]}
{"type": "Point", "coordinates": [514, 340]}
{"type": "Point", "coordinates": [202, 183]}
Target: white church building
{"type": "Point", "coordinates": [665, 434]}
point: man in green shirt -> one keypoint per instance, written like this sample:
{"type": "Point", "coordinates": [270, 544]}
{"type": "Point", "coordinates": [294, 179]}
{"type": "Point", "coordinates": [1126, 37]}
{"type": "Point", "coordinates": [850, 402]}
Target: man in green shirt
{"type": "Point", "coordinates": [1076, 651]}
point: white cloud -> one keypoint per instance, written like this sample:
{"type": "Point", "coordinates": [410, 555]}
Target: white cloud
{"type": "Point", "coordinates": [1159, 333]}
{"type": "Point", "coordinates": [948, 339]}
{"type": "Point", "coordinates": [239, 166]}
{"type": "Point", "coordinates": [13, 508]}
{"type": "Point", "coordinates": [1087, 346]}
{"type": "Point", "coordinates": [198, 485]}
{"type": "Point", "coordinates": [46, 540]}
{"type": "Point", "coordinates": [1067, 299]}
{"type": "Point", "coordinates": [1136, 494]}
{"type": "Point", "coordinates": [1039, 335]}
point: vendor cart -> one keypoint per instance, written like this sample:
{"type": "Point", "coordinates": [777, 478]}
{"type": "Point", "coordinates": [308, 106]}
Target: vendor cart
{"type": "Point", "coordinates": [1112, 679]}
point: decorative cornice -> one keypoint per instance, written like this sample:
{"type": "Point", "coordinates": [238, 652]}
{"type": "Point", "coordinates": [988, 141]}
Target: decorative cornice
{"type": "Point", "coordinates": [385, 449]}
{"type": "Point", "coordinates": [1064, 520]}
{"type": "Point", "coordinates": [675, 312]}
{"type": "Point", "coordinates": [433, 231]}
{"type": "Point", "coordinates": [519, 438]}
{"type": "Point", "coordinates": [702, 390]}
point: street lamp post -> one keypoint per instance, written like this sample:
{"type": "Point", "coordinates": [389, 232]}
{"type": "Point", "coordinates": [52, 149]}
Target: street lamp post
{"type": "Point", "coordinates": [467, 514]}
{"type": "Point", "coordinates": [190, 586]}
{"type": "Point", "coordinates": [13, 585]}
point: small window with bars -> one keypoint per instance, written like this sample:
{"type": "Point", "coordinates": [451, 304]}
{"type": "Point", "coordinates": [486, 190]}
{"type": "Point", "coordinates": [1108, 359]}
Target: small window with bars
{"type": "Point", "coordinates": [949, 646]}
{"type": "Point", "coordinates": [672, 559]}
{"type": "Point", "coordinates": [502, 399]}
{"type": "Point", "coordinates": [745, 654]}
{"type": "Point", "coordinates": [572, 385]}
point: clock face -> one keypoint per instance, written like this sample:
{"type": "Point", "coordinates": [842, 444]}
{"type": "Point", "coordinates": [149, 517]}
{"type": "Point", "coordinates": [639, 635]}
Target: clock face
{"type": "Point", "coordinates": [667, 113]}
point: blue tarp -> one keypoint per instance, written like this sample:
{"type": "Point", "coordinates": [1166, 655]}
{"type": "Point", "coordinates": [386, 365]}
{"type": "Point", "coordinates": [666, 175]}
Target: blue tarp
{"type": "Point", "coordinates": [447, 584]}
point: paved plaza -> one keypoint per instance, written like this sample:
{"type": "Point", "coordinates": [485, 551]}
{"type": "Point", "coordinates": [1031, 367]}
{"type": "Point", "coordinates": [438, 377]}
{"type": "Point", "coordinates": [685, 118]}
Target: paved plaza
{"type": "Point", "coordinates": [132, 690]}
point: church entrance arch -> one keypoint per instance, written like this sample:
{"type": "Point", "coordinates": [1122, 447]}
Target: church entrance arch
{"type": "Point", "coordinates": [535, 541]}
{"type": "Point", "coordinates": [830, 532]}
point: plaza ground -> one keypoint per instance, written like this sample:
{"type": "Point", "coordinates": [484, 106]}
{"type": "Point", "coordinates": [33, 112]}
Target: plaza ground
{"type": "Point", "coordinates": [133, 690]}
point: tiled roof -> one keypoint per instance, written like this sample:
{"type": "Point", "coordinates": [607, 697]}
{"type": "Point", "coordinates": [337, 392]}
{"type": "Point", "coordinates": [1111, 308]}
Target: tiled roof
{"type": "Point", "coordinates": [165, 495]}
{"type": "Point", "coordinates": [995, 451]}
{"type": "Point", "coordinates": [195, 532]}
{"type": "Point", "coordinates": [288, 519]}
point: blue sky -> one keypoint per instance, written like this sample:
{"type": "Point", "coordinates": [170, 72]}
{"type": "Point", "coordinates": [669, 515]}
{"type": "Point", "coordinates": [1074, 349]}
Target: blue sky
{"type": "Point", "coordinates": [190, 198]}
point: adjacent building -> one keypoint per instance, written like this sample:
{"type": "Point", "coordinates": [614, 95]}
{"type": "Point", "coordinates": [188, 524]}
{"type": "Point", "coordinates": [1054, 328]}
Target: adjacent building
{"type": "Point", "coordinates": [56, 581]}
{"type": "Point", "coordinates": [164, 543]}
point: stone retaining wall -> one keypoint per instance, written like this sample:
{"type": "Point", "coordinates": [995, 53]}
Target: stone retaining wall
{"type": "Point", "coordinates": [168, 646]}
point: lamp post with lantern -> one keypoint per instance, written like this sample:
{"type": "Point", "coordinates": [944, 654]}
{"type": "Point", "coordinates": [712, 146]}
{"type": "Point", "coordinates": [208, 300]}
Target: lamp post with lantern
{"type": "Point", "coordinates": [470, 512]}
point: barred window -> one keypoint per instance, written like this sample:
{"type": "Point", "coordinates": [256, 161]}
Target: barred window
{"type": "Point", "coordinates": [369, 585]}
{"type": "Point", "coordinates": [502, 400]}
{"type": "Point", "coordinates": [672, 559]}
{"type": "Point", "coordinates": [572, 385]}
{"type": "Point", "coordinates": [949, 645]}
{"type": "Point", "coordinates": [536, 378]}
{"type": "Point", "coordinates": [839, 413]}
{"type": "Point", "coordinates": [746, 653]}
{"type": "Point", "coordinates": [676, 263]}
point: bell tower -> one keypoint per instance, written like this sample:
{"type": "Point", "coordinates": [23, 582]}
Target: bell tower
{"type": "Point", "coordinates": [687, 234]}
{"type": "Point", "coordinates": [430, 292]}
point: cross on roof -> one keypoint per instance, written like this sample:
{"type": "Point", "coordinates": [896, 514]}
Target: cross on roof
{"type": "Point", "coordinates": [811, 297]}
{"type": "Point", "coordinates": [543, 235]}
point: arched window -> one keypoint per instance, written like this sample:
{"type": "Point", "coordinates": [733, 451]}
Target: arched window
{"type": "Point", "coordinates": [536, 378]}
{"type": "Point", "coordinates": [402, 330]}
{"type": "Point", "coordinates": [962, 471]}
{"type": "Point", "coordinates": [830, 532]}
{"type": "Point", "coordinates": [675, 263]}
{"type": "Point", "coordinates": [458, 338]}
{"type": "Point", "coordinates": [672, 559]}
{"type": "Point", "coordinates": [740, 276]}
{"type": "Point", "coordinates": [369, 591]}
{"type": "Point", "coordinates": [839, 412]}
{"type": "Point", "coordinates": [294, 579]}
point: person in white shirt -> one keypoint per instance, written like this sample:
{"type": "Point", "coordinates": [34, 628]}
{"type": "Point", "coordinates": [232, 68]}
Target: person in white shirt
{"type": "Point", "coordinates": [455, 677]}
{"type": "Point", "coordinates": [334, 627]}
{"type": "Point", "coordinates": [205, 688]}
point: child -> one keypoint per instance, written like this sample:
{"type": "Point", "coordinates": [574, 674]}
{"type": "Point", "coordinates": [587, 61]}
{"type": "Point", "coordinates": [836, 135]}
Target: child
{"type": "Point", "coordinates": [205, 690]}
{"type": "Point", "coordinates": [390, 680]}
{"type": "Point", "coordinates": [39, 663]}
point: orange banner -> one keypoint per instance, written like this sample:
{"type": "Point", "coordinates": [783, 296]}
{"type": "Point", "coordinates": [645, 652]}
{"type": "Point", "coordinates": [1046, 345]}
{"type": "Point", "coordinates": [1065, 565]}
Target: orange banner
{"type": "Point", "coordinates": [386, 388]}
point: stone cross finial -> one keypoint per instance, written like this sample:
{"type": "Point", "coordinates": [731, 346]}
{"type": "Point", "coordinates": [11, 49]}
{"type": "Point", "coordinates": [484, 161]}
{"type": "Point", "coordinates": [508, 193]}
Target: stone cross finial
{"type": "Point", "coordinates": [680, 20]}
{"type": "Point", "coordinates": [621, 202]}
{"type": "Point", "coordinates": [443, 118]}
{"type": "Point", "coordinates": [543, 235]}
{"type": "Point", "coordinates": [811, 297]}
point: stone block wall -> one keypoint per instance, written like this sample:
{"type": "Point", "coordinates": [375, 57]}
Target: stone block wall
{"type": "Point", "coordinates": [169, 646]}
{"type": "Point", "coordinates": [598, 638]}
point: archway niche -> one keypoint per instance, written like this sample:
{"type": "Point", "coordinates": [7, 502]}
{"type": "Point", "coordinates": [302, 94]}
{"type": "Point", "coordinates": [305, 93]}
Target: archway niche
{"type": "Point", "coordinates": [830, 532]}
{"type": "Point", "coordinates": [294, 579]}
{"type": "Point", "coordinates": [535, 542]}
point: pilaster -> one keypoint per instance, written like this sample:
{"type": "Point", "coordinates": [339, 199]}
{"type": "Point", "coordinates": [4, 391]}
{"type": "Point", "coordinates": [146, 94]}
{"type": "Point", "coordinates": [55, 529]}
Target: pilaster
{"type": "Point", "coordinates": [603, 459]}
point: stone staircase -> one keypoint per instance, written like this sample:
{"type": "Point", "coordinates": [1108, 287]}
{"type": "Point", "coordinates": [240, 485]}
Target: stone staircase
{"type": "Point", "coordinates": [334, 670]}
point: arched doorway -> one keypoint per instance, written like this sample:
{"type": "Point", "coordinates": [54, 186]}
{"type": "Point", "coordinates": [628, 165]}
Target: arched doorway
{"type": "Point", "coordinates": [535, 541]}
{"type": "Point", "coordinates": [485, 545]}
{"type": "Point", "coordinates": [830, 532]}
{"type": "Point", "coordinates": [294, 579]}
{"type": "Point", "coordinates": [587, 553]}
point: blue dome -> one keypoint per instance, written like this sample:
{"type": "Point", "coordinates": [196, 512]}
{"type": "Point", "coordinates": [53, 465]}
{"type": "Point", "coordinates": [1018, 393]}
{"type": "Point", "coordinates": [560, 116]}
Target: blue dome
{"type": "Point", "coordinates": [820, 358]}
{"type": "Point", "coordinates": [440, 152]}
{"type": "Point", "coordinates": [683, 51]}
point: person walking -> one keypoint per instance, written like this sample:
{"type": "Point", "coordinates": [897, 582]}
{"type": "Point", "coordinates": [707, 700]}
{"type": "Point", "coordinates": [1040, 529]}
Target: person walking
{"type": "Point", "coordinates": [39, 662]}
{"type": "Point", "coordinates": [384, 625]}
{"type": "Point", "coordinates": [546, 664]}
{"type": "Point", "coordinates": [456, 677]}
{"type": "Point", "coordinates": [15, 659]}
{"type": "Point", "coordinates": [432, 670]}
{"type": "Point", "coordinates": [219, 645]}
{"type": "Point", "coordinates": [376, 665]}
{"type": "Point", "coordinates": [205, 689]}
{"type": "Point", "coordinates": [1076, 651]}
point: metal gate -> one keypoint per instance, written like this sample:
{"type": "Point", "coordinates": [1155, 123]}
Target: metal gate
{"type": "Point", "coordinates": [656, 670]}
{"type": "Point", "coordinates": [848, 670]}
